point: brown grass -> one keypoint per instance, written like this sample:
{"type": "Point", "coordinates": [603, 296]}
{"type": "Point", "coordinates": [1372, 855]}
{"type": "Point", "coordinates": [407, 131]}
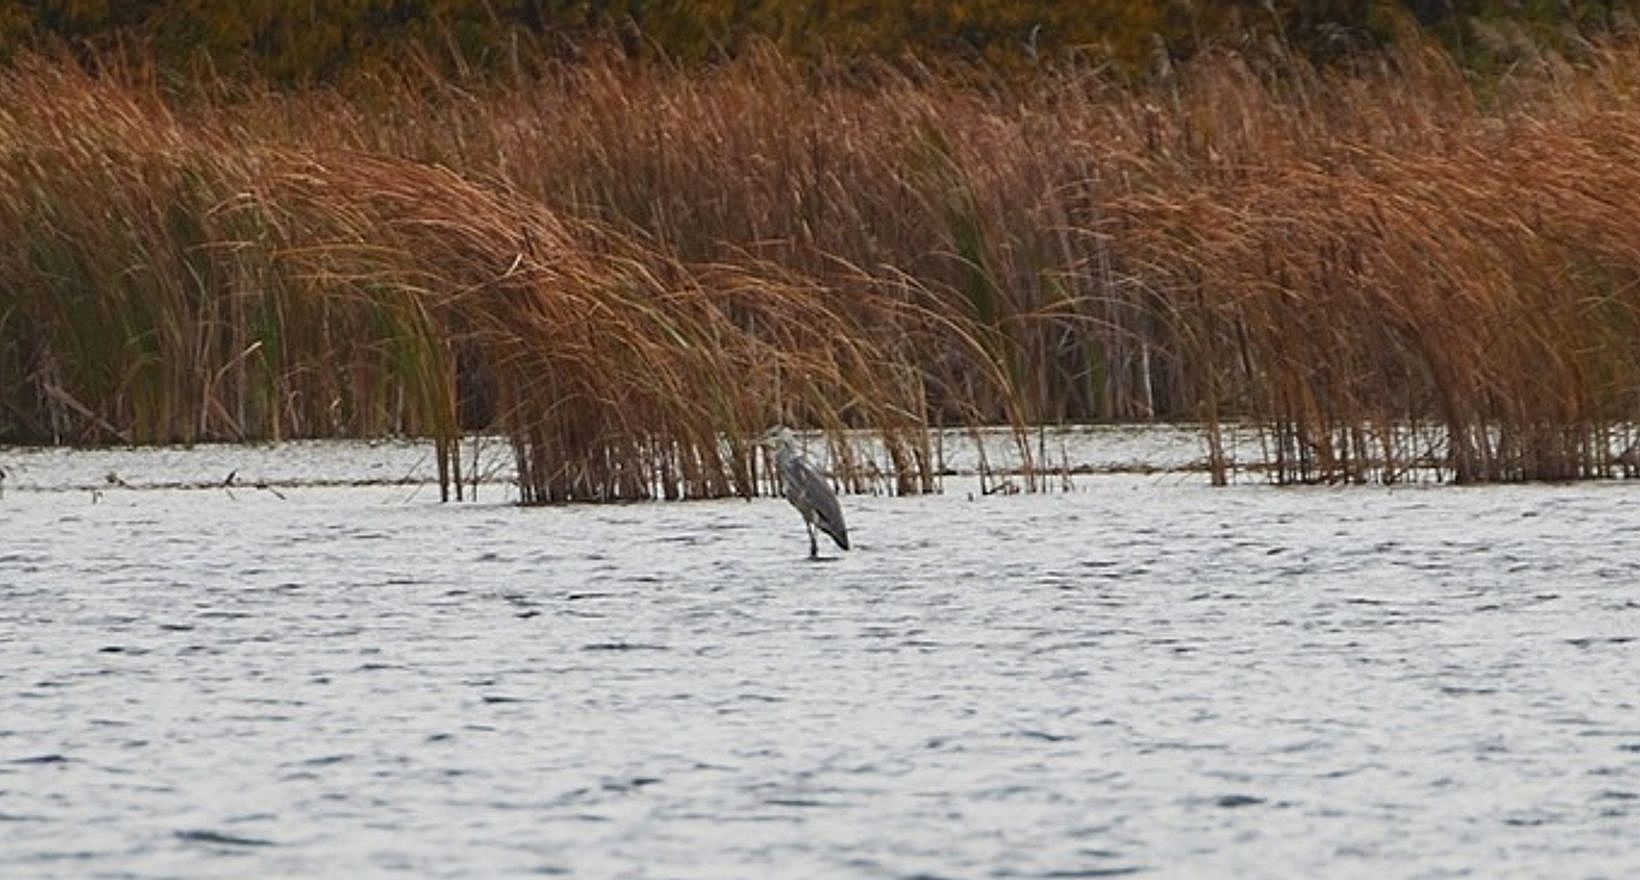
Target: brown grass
{"type": "Point", "coordinates": [1477, 274]}
{"type": "Point", "coordinates": [631, 271]}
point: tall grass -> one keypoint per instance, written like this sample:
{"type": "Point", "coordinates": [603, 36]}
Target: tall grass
{"type": "Point", "coordinates": [632, 269]}
{"type": "Point", "coordinates": [178, 279]}
{"type": "Point", "coordinates": [1441, 287]}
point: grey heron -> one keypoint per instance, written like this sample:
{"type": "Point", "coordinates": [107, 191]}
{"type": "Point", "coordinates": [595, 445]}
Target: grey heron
{"type": "Point", "coordinates": [807, 490]}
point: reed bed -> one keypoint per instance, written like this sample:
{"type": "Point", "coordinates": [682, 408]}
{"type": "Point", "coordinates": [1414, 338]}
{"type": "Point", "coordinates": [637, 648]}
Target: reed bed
{"type": "Point", "coordinates": [209, 285]}
{"type": "Point", "coordinates": [1475, 277]}
{"type": "Point", "coordinates": [630, 270]}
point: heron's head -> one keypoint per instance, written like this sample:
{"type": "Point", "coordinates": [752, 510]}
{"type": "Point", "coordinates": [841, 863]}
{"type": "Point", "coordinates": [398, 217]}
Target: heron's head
{"type": "Point", "coordinates": [778, 436]}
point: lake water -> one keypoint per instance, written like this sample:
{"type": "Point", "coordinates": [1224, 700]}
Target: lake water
{"type": "Point", "coordinates": [1140, 676]}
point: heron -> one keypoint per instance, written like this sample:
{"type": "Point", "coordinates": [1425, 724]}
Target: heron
{"type": "Point", "coordinates": [807, 490]}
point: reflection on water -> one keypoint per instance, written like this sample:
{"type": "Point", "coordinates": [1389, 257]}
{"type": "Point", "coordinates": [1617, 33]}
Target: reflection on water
{"type": "Point", "coordinates": [1140, 676]}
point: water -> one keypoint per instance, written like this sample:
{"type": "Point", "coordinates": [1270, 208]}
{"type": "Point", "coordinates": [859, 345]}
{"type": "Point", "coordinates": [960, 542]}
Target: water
{"type": "Point", "coordinates": [1142, 676]}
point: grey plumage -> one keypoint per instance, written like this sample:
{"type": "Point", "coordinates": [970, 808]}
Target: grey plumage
{"type": "Point", "coordinates": [807, 490]}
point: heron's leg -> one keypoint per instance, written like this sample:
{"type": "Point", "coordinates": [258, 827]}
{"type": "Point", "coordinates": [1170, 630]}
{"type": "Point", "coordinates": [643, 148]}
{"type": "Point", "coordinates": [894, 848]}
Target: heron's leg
{"type": "Point", "coordinates": [814, 546]}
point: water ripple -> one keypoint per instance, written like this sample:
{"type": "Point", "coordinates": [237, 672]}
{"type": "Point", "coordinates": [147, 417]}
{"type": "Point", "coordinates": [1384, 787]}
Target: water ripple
{"type": "Point", "coordinates": [1141, 677]}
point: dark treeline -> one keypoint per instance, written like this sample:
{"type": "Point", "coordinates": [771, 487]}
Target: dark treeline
{"type": "Point", "coordinates": [304, 42]}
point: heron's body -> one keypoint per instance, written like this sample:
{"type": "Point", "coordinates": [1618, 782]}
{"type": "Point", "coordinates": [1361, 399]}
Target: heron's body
{"type": "Point", "coordinates": [807, 491]}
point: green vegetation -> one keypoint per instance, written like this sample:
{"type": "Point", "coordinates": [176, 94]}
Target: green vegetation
{"type": "Point", "coordinates": [1381, 264]}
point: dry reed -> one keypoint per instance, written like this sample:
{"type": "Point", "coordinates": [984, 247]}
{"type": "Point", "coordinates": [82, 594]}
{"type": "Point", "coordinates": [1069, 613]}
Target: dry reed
{"type": "Point", "coordinates": [630, 270]}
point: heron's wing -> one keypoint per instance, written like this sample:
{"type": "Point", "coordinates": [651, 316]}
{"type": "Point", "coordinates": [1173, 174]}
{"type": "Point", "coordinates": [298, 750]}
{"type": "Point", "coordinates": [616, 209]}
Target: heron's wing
{"type": "Point", "coordinates": [807, 488]}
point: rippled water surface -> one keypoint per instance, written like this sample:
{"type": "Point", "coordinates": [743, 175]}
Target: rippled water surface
{"type": "Point", "coordinates": [1140, 676]}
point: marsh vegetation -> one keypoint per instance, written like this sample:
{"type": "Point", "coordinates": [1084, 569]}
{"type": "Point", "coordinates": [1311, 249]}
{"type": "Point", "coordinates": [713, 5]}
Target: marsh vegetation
{"type": "Point", "coordinates": [631, 268]}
